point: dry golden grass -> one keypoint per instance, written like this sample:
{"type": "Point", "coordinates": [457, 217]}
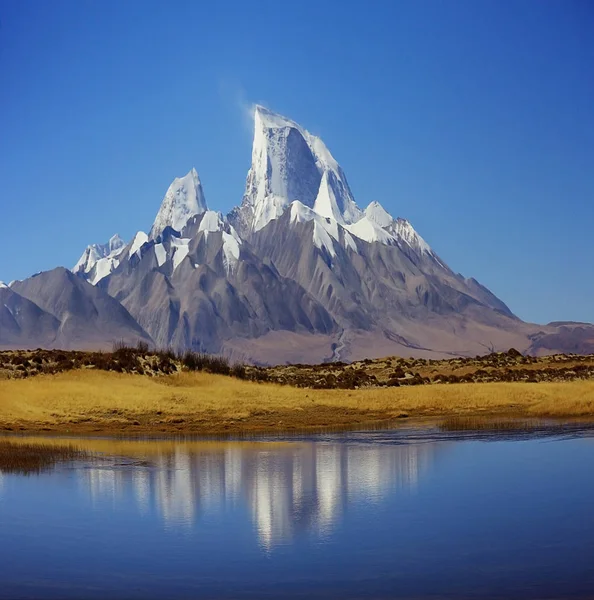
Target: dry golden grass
{"type": "Point", "coordinates": [201, 402]}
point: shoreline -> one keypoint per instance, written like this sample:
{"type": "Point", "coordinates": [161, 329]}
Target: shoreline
{"type": "Point", "coordinates": [94, 403]}
{"type": "Point", "coordinates": [469, 422]}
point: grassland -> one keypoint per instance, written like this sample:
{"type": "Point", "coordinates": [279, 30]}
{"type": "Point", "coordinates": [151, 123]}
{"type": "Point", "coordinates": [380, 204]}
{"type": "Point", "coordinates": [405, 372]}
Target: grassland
{"type": "Point", "coordinates": [90, 401]}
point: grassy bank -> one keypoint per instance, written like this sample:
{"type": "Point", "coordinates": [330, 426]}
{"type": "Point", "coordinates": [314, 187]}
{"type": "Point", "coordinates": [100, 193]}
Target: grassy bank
{"type": "Point", "coordinates": [88, 401]}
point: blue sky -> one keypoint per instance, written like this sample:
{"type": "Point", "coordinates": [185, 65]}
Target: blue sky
{"type": "Point", "coordinates": [473, 119]}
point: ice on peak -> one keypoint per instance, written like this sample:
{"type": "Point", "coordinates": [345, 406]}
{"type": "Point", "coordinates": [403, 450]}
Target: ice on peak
{"type": "Point", "coordinates": [184, 199]}
{"type": "Point", "coordinates": [405, 231]}
{"type": "Point", "coordinates": [231, 250]}
{"type": "Point", "coordinates": [393, 230]}
{"type": "Point", "coordinates": [3, 285]}
{"type": "Point", "coordinates": [115, 243]}
{"type": "Point", "coordinates": [160, 254]}
{"type": "Point", "coordinates": [139, 240]}
{"type": "Point", "coordinates": [211, 221]}
{"type": "Point", "coordinates": [288, 164]}
{"type": "Point", "coordinates": [376, 213]}
{"type": "Point", "coordinates": [180, 248]}
{"type": "Point", "coordinates": [266, 118]}
{"type": "Point", "coordinates": [96, 252]}
{"type": "Point", "coordinates": [326, 204]}
{"type": "Point", "coordinates": [368, 230]}
{"type": "Point", "coordinates": [326, 232]}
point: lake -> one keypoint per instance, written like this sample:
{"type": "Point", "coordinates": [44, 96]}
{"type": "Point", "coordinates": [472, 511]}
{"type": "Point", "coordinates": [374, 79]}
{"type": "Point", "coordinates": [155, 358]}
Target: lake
{"type": "Point", "coordinates": [408, 513]}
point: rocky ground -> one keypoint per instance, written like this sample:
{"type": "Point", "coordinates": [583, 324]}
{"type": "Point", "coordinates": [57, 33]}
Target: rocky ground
{"type": "Point", "coordinates": [394, 371]}
{"type": "Point", "coordinates": [19, 364]}
{"type": "Point", "coordinates": [385, 372]}
{"type": "Point", "coordinates": [27, 363]}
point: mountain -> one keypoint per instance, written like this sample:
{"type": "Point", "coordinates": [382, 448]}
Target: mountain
{"type": "Point", "coordinates": [183, 200]}
{"type": "Point", "coordinates": [208, 287]}
{"type": "Point", "coordinates": [98, 260]}
{"type": "Point", "coordinates": [296, 273]}
{"type": "Point", "coordinates": [86, 315]}
{"type": "Point", "coordinates": [22, 323]}
{"type": "Point", "coordinates": [288, 163]}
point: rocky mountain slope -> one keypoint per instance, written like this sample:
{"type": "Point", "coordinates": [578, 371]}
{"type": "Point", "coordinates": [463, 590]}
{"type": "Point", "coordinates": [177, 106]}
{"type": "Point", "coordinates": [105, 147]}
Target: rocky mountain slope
{"type": "Point", "coordinates": [83, 315]}
{"type": "Point", "coordinates": [298, 272]}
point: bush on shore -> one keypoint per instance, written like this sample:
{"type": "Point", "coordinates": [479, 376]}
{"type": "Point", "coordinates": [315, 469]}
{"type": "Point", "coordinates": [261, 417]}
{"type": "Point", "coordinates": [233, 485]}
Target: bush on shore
{"type": "Point", "coordinates": [125, 358]}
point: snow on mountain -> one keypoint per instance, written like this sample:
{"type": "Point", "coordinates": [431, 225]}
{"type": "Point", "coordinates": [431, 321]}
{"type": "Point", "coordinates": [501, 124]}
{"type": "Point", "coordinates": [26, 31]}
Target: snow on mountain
{"type": "Point", "coordinates": [99, 260]}
{"type": "Point", "coordinates": [370, 231]}
{"type": "Point", "coordinates": [231, 250]}
{"type": "Point", "coordinates": [183, 200]}
{"type": "Point", "coordinates": [103, 267]}
{"type": "Point", "coordinates": [3, 285]}
{"type": "Point", "coordinates": [214, 222]}
{"type": "Point", "coordinates": [405, 231]}
{"type": "Point", "coordinates": [379, 226]}
{"type": "Point", "coordinates": [211, 221]}
{"type": "Point", "coordinates": [160, 253]}
{"type": "Point", "coordinates": [256, 285]}
{"type": "Point", "coordinates": [95, 252]}
{"type": "Point", "coordinates": [290, 168]}
{"type": "Point", "coordinates": [326, 203]}
{"type": "Point", "coordinates": [179, 248]}
{"type": "Point", "coordinates": [289, 163]}
{"type": "Point", "coordinates": [139, 240]}
{"type": "Point", "coordinates": [326, 230]}
{"type": "Point", "coordinates": [377, 214]}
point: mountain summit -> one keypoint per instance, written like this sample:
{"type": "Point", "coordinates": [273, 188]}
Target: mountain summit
{"type": "Point", "coordinates": [289, 163]}
{"type": "Point", "coordinates": [183, 200]}
{"type": "Point", "coordinates": [98, 260]}
{"type": "Point", "coordinates": [296, 273]}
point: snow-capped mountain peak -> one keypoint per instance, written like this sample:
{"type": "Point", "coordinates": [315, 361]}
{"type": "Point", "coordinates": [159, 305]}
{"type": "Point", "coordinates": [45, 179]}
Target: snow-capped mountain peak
{"type": "Point", "coordinates": [326, 204]}
{"type": "Point", "coordinates": [266, 119]}
{"type": "Point", "coordinates": [99, 260]}
{"type": "Point", "coordinates": [183, 199]}
{"type": "Point", "coordinates": [96, 252]}
{"type": "Point", "coordinates": [211, 221]}
{"type": "Point", "coordinates": [368, 230]}
{"type": "Point", "coordinates": [377, 225]}
{"type": "Point", "coordinates": [405, 231]}
{"type": "Point", "coordinates": [137, 243]}
{"type": "Point", "coordinates": [288, 164]}
{"type": "Point", "coordinates": [3, 285]}
{"type": "Point", "coordinates": [376, 213]}
{"type": "Point", "coordinates": [115, 243]}
{"type": "Point", "coordinates": [296, 273]}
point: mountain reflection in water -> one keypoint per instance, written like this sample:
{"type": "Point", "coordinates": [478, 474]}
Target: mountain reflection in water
{"type": "Point", "coordinates": [379, 514]}
{"type": "Point", "coordinates": [288, 488]}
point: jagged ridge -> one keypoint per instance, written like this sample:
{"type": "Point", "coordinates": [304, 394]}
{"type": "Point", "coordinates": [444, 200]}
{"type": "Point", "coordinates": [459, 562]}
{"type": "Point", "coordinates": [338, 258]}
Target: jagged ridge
{"type": "Point", "coordinates": [297, 272]}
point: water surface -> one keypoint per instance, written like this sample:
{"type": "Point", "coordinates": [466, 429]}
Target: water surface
{"type": "Point", "coordinates": [397, 514]}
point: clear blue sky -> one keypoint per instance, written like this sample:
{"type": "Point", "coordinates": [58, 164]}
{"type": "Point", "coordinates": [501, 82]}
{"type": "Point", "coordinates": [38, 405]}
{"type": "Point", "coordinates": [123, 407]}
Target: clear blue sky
{"type": "Point", "coordinates": [473, 119]}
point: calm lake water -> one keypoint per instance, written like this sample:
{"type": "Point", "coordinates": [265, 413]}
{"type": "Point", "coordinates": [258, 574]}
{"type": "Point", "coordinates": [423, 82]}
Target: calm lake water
{"type": "Point", "coordinates": [397, 514]}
